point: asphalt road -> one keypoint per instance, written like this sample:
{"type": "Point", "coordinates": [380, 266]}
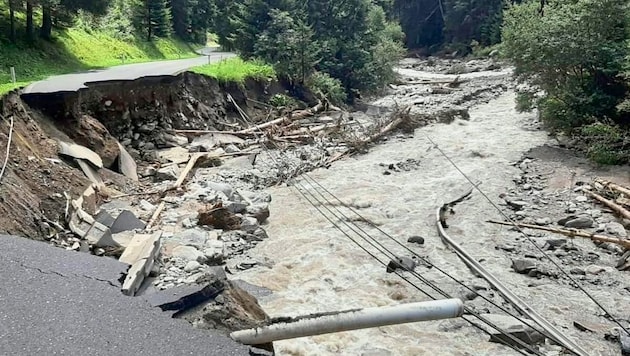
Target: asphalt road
{"type": "Point", "coordinates": [58, 302]}
{"type": "Point", "coordinates": [76, 81]}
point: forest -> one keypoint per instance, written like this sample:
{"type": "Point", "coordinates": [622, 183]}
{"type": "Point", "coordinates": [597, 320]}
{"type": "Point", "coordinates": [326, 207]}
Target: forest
{"type": "Point", "coordinates": [570, 55]}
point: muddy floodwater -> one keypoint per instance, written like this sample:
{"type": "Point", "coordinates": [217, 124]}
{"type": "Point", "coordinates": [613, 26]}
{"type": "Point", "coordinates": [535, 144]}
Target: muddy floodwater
{"type": "Point", "coordinates": [310, 266]}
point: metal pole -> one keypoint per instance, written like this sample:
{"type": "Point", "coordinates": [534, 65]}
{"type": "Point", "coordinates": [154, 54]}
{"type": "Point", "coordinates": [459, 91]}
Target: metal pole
{"type": "Point", "coordinates": [13, 79]}
{"type": "Point", "coordinates": [351, 320]}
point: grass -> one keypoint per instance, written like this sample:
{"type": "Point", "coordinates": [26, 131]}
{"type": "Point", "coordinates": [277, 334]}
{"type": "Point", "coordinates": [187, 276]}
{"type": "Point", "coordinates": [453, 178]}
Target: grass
{"type": "Point", "coordinates": [236, 70]}
{"type": "Point", "coordinates": [75, 49]}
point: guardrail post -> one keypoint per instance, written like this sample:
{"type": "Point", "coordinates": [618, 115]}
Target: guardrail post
{"type": "Point", "coordinates": [13, 78]}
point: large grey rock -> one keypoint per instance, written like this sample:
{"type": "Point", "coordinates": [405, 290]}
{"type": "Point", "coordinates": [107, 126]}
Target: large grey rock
{"type": "Point", "coordinates": [167, 173]}
{"type": "Point", "coordinates": [126, 221]}
{"type": "Point", "coordinates": [582, 222]}
{"type": "Point", "coordinates": [221, 187]}
{"type": "Point", "coordinates": [195, 237]}
{"type": "Point", "coordinates": [616, 229]}
{"type": "Point", "coordinates": [192, 266]}
{"type": "Point", "coordinates": [176, 155]}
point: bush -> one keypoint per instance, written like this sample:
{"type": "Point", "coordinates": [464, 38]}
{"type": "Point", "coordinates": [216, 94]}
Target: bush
{"type": "Point", "coordinates": [574, 54]}
{"type": "Point", "coordinates": [281, 101]}
{"type": "Point", "coordinates": [236, 70]}
{"type": "Point", "coordinates": [324, 85]}
{"type": "Point", "coordinates": [605, 143]}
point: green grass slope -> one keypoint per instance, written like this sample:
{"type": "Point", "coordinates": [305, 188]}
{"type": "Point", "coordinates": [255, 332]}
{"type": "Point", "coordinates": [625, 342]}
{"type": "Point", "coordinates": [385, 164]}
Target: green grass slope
{"type": "Point", "coordinates": [74, 50]}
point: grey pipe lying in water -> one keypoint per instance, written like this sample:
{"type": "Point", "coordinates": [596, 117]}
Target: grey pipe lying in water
{"type": "Point", "coordinates": [352, 320]}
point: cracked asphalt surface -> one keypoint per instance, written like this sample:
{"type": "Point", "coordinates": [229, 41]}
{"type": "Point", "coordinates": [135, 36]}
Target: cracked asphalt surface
{"type": "Point", "coordinates": [64, 302]}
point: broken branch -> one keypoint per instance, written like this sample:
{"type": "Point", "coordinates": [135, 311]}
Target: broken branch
{"type": "Point", "coordinates": [292, 117]}
{"type": "Point", "coordinates": [569, 233]}
{"type": "Point", "coordinates": [617, 208]}
{"type": "Point", "coordinates": [613, 186]}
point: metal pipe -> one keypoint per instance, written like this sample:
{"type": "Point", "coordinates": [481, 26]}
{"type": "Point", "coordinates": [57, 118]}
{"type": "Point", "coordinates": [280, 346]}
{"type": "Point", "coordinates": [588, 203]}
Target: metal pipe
{"type": "Point", "coordinates": [506, 292]}
{"type": "Point", "coordinates": [351, 320]}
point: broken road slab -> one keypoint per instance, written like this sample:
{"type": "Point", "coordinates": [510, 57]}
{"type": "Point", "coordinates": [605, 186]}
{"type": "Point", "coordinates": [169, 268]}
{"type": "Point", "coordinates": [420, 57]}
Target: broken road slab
{"type": "Point", "coordinates": [80, 152]}
{"type": "Point", "coordinates": [126, 221]}
{"type": "Point", "coordinates": [126, 164]}
{"type": "Point", "coordinates": [83, 312]}
{"type": "Point", "coordinates": [140, 254]}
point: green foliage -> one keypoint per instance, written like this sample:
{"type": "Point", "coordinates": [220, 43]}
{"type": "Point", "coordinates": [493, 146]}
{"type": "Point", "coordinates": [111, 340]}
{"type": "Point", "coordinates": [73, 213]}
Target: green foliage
{"type": "Point", "coordinates": [152, 18]}
{"type": "Point", "coordinates": [351, 40]}
{"type": "Point", "coordinates": [324, 85]}
{"type": "Point", "coordinates": [236, 70]}
{"type": "Point", "coordinates": [605, 143]}
{"type": "Point", "coordinates": [281, 101]}
{"type": "Point", "coordinates": [288, 45]}
{"type": "Point", "coordinates": [573, 54]}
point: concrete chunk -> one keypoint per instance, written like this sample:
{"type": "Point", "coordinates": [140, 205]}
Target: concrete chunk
{"type": "Point", "coordinates": [90, 172]}
{"type": "Point", "coordinates": [126, 164]}
{"type": "Point", "coordinates": [140, 254]}
{"type": "Point", "coordinates": [184, 297]}
{"type": "Point", "coordinates": [80, 152]}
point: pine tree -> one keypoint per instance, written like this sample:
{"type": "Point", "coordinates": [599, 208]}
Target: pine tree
{"type": "Point", "coordinates": [152, 18]}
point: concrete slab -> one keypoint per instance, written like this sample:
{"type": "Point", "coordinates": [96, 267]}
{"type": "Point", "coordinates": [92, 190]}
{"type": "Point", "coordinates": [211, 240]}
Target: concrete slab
{"type": "Point", "coordinates": [126, 164]}
{"type": "Point", "coordinates": [126, 221]}
{"type": "Point", "coordinates": [80, 152]}
{"type": "Point", "coordinates": [58, 302]}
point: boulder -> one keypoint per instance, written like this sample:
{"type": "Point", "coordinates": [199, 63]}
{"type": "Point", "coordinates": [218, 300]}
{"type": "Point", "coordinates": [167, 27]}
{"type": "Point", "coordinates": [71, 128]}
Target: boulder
{"type": "Point", "coordinates": [515, 328]}
{"type": "Point", "coordinates": [416, 239]}
{"type": "Point", "coordinates": [215, 252]}
{"type": "Point", "coordinates": [91, 133]}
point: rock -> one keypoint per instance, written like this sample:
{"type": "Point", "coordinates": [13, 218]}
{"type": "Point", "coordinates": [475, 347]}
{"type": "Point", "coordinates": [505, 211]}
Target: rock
{"type": "Point", "coordinates": [195, 237]}
{"type": "Point", "coordinates": [259, 211]}
{"type": "Point", "coordinates": [176, 155]}
{"type": "Point", "coordinates": [553, 244]}
{"type": "Point", "coordinates": [215, 252]}
{"type": "Point", "coordinates": [235, 207]}
{"type": "Point", "coordinates": [594, 269]}
{"type": "Point", "coordinates": [616, 229]}
{"type": "Point", "coordinates": [176, 139]}
{"type": "Point", "coordinates": [104, 218]}
{"type": "Point", "coordinates": [192, 266]}
{"type": "Point", "coordinates": [145, 205]}
{"type": "Point", "coordinates": [595, 213]}
{"type": "Point", "coordinates": [221, 187]}
{"type": "Point", "coordinates": [148, 172]}
{"type": "Point", "coordinates": [231, 149]}
{"type": "Point", "coordinates": [126, 164]}
{"type": "Point", "coordinates": [515, 328]}
{"type": "Point", "coordinates": [624, 339]}
{"type": "Point", "coordinates": [527, 187]}
{"type": "Point", "coordinates": [517, 204]}
{"type": "Point", "coordinates": [126, 221]}
{"type": "Point", "coordinates": [416, 240]}
{"type": "Point", "coordinates": [261, 233]}
{"type": "Point", "coordinates": [582, 222]}
{"type": "Point", "coordinates": [563, 221]}
{"type": "Point", "coordinates": [587, 326]}
{"type": "Point", "coordinates": [404, 263]}
{"type": "Point", "coordinates": [543, 221]}
{"type": "Point", "coordinates": [189, 223]}
{"type": "Point", "coordinates": [577, 271]}
{"type": "Point", "coordinates": [504, 247]}
{"type": "Point", "coordinates": [91, 133]}
{"type": "Point", "coordinates": [188, 253]}
{"type": "Point", "coordinates": [581, 199]}
{"type": "Point", "coordinates": [523, 266]}
{"type": "Point", "coordinates": [167, 173]}
{"type": "Point", "coordinates": [249, 224]}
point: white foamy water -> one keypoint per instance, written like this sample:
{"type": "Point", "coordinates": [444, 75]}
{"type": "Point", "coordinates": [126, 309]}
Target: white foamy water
{"type": "Point", "coordinates": [315, 268]}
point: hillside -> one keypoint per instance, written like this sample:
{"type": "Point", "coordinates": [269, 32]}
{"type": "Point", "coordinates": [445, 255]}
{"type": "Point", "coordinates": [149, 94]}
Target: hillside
{"type": "Point", "coordinates": [76, 48]}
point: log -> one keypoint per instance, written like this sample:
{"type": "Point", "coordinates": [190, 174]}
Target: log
{"type": "Point", "coordinates": [155, 216]}
{"type": "Point", "coordinates": [204, 132]}
{"type": "Point", "coordinates": [617, 208]}
{"type": "Point", "coordinates": [569, 233]}
{"type": "Point", "coordinates": [616, 187]}
{"type": "Point", "coordinates": [294, 116]}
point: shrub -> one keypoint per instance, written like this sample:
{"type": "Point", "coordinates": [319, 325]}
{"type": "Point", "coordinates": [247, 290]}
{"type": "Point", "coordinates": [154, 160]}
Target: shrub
{"type": "Point", "coordinates": [324, 85]}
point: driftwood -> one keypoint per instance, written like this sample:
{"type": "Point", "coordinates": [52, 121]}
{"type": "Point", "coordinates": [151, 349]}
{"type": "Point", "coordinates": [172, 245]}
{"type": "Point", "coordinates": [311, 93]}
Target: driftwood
{"type": "Point", "coordinates": [617, 208]}
{"type": "Point", "coordinates": [453, 83]}
{"type": "Point", "coordinates": [616, 187]}
{"type": "Point", "coordinates": [292, 117]}
{"type": "Point", "coordinates": [155, 216]}
{"type": "Point", "coordinates": [204, 132]}
{"type": "Point", "coordinates": [569, 232]}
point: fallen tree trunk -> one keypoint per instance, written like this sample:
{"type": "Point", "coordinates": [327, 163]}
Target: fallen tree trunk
{"type": "Point", "coordinates": [568, 232]}
{"type": "Point", "coordinates": [613, 186]}
{"type": "Point", "coordinates": [617, 208]}
{"type": "Point", "coordinates": [292, 117]}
